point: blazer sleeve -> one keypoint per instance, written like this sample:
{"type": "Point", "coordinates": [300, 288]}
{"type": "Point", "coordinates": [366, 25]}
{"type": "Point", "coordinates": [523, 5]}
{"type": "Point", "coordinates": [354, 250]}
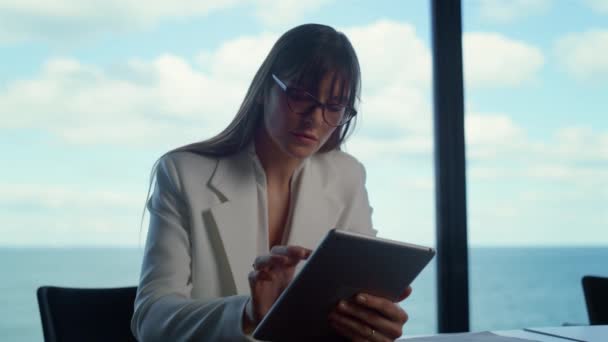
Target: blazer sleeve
{"type": "Point", "coordinates": [164, 309]}
{"type": "Point", "coordinates": [358, 211]}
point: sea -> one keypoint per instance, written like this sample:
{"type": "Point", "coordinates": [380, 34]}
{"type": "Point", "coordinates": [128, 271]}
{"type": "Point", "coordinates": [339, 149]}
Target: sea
{"type": "Point", "coordinates": [510, 287]}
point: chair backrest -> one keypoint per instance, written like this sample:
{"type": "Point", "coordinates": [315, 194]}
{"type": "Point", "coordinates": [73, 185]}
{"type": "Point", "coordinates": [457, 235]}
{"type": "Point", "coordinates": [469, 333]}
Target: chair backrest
{"type": "Point", "coordinates": [75, 314]}
{"type": "Point", "coordinates": [596, 297]}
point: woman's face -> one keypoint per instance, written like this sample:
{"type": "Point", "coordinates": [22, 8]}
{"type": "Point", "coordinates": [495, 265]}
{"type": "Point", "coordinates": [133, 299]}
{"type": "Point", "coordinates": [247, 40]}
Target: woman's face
{"type": "Point", "coordinates": [298, 135]}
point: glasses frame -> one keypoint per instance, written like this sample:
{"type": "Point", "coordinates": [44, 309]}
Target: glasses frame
{"type": "Point", "coordinates": [349, 112]}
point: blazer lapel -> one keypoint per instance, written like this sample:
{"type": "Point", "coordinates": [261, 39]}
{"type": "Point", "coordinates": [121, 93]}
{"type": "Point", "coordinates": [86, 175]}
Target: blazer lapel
{"type": "Point", "coordinates": [315, 211]}
{"type": "Point", "coordinates": [237, 217]}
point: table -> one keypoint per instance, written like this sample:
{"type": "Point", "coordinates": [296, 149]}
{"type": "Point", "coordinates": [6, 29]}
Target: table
{"type": "Point", "coordinates": [583, 333]}
{"type": "Point", "coordinates": [586, 333]}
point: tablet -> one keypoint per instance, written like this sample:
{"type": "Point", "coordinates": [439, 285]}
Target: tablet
{"type": "Point", "coordinates": [344, 264]}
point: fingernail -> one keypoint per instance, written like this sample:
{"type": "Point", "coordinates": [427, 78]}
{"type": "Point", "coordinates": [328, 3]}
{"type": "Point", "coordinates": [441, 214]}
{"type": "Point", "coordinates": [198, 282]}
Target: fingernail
{"type": "Point", "coordinates": [361, 298]}
{"type": "Point", "coordinates": [343, 305]}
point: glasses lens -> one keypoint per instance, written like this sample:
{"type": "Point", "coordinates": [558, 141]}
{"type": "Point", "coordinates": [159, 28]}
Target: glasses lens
{"type": "Point", "coordinates": [335, 114]}
{"type": "Point", "coordinates": [302, 102]}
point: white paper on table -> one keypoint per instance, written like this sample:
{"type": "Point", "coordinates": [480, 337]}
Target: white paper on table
{"type": "Point", "coordinates": [587, 333]}
{"type": "Point", "coordinates": [485, 336]}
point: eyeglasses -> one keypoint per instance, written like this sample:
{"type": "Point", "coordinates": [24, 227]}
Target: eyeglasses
{"type": "Point", "coordinates": [302, 102]}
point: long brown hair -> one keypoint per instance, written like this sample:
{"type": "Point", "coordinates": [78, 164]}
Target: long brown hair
{"type": "Point", "coordinates": [305, 54]}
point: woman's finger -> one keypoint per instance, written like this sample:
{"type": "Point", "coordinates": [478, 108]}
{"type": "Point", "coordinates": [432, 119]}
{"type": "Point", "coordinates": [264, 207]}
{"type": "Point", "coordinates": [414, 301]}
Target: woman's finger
{"type": "Point", "coordinates": [255, 276]}
{"type": "Point", "coordinates": [269, 261]}
{"type": "Point", "coordinates": [405, 294]}
{"type": "Point", "coordinates": [296, 253]}
{"type": "Point", "coordinates": [355, 329]}
{"type": "Point", "coordinates": [372, 318]}
{"type": "Point", "coordinates": [384, 306]}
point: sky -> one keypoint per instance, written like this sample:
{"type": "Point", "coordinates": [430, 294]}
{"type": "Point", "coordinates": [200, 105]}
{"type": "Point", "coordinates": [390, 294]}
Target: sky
{"type": "Point", "coordinates": [91, 93]}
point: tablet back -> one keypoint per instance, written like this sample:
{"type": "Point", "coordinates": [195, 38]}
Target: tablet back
{"type": "Point", "coordinates": [343, 265]}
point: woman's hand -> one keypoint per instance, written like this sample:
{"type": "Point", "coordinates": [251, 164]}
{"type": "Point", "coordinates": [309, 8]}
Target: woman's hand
{"type": "Point", "coordinates": [270, 276]}
{"type": "Point", "coordinates": [369, 318]}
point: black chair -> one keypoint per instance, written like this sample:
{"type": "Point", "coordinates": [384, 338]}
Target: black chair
{"type": "Point", "coordinates": [596, 297]}
{"type": "Point", "coordinates": [74, 314]}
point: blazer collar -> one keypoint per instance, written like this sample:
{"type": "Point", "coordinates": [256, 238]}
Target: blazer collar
{"type": "Point", "coordinates": [314, 211]}
{"type": "Point", "coordinates": [236, 217]}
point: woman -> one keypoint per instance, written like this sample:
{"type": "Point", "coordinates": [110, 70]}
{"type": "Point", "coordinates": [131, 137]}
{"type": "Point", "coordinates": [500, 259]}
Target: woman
{"type": "Point", "coordinates": [232, 217]}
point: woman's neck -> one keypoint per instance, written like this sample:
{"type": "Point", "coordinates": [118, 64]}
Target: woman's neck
{"type": "Point", "coordinates": [278, 166]}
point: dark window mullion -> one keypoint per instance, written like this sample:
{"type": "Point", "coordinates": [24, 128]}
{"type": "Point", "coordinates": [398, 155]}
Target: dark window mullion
{"type": "Point", "coordinates": [450, 179]}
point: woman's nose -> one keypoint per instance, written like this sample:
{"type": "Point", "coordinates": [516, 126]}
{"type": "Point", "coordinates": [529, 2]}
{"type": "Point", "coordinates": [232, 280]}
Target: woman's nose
{"type": "Point", "coordinates": [315, 116]}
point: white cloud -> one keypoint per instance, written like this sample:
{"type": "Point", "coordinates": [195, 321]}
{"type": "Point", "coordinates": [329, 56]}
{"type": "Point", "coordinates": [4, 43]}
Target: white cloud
{"type": "Point", "coordinates": [66, 197]}
{"type": "Point", "coordinates": [492, 59]}
{"type": "Point", "coordinates": [396, 96]}
{"type": "Point", "coordinates": [148, 11]}
{"type": "Point", "coordinates": [148, 103]}
{"type": "Point", "coordinates": [62, 21]}
{"type": "Point", "coordinates": [600, 6]}
{"type": "Point", "coordinates": [490, 136]}
{"type": "Point", "coordinates": [67, 228]}
{"type": "Point", "coordinates": [56, 214]}
{"type": "Point", "coordinates": [227, 61]}
{"type": "Point", "coordinates": [170, 100]}
{"type": "Point", "coordinates": [527, 203]}
{"type": "Point", "coordinates": [563, 172]}
{"type": "Point", "coordinates": [384, 61]}
{"type": "Point", "coordinates": [499, 149]}
{"type": "Point", "coordinates": [401, 189]}
{"type": "Point", "coordinates": [516, 222]}
{"type": "Point", "coordinates": [275, 13]}
{"type": "Point", "coordinates": [479, 173]}
{"type": "Point", "coordinates": [418, 184]}
{"type": "Point", "coordinates": [586, 179]}
{"type": "Point", "coordinates": [368, 149]}
{"type": "Point", "coordinates": [583, 54]}
{"type": "Point", "coordinates": [497, 136]}
{"type": "Point", "coordinates": [490, 128]}
{"type": "Point", "coordinates": [397, 108]}
{"type": "Point", "coordinates": [506, 11]}
{"type": "Point", "coordinates": [65, 20]}
{"type": "Point", "coordinates": [580, 143]}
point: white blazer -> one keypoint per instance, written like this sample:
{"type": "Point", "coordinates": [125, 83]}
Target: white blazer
{"type": "Point", "coordinates": [202, 238]}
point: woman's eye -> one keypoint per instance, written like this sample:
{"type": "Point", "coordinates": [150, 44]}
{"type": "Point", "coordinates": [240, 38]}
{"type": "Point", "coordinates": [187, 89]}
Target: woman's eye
{"type": "Point", "coordinates": [300, 96]}
{"type": "Point", "coordinates": [335, 107]}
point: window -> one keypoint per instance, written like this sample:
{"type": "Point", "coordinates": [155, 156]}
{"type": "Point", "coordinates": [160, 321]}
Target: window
{"type": "Point", "coordinates": [87, 108]}
{"type": "Point", "coordinates": [394, 136]}
{"type": "Point", "coordinates": [537, 151]}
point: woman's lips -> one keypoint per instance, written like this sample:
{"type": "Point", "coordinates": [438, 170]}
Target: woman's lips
{"type": "Point", "coordinates": [305, 136]}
